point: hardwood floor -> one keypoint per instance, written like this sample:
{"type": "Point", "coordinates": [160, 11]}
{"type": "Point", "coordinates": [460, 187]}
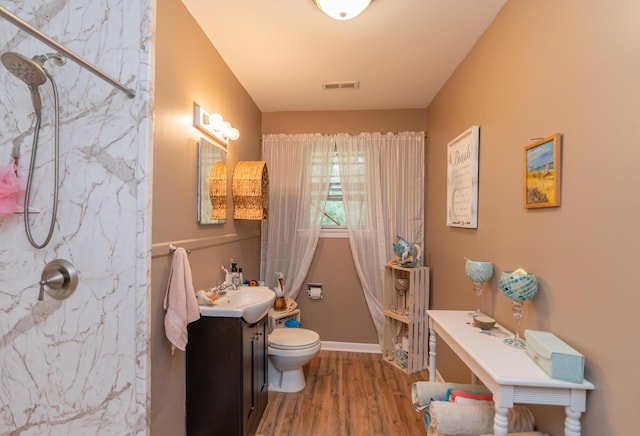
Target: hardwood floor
{"type": "Point", "coordinates": [346, 394]}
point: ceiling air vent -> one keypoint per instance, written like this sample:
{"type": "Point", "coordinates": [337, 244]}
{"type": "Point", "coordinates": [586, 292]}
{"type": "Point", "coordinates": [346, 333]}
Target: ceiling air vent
{"type": "Point", "coordinates": [342, 85]}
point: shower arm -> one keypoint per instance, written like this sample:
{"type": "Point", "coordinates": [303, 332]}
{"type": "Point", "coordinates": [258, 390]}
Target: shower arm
{"type": "Point", "coordinates": [63, 50]}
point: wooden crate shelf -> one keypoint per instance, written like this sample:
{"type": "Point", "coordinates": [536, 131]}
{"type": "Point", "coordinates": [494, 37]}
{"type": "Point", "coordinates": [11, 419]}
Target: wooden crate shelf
{"type": "Point", "coordinates": [405, 317]}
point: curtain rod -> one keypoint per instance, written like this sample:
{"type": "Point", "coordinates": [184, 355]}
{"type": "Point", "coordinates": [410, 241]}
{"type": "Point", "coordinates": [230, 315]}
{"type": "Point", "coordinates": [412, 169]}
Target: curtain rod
{"type": "Point", "coordinates": [426, 136]}
{"type": "Point", "coordinates": [63, 50]}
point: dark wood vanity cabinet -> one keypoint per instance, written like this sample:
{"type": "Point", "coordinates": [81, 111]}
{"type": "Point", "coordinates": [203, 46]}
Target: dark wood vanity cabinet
{"type": "Point", "coordinates": [226, 381]}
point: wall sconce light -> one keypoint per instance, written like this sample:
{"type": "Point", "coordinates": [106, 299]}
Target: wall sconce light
{"type": "Point", "coordinates": [214, 125]}
{"type": "Point", "coordinates": [341, 9]}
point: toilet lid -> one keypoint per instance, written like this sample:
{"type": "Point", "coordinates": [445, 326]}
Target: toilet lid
{"type": "Point", "coordinates": [291, 339]}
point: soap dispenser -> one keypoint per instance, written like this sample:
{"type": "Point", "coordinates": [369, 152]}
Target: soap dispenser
{"type": "Point", "coordinates": [235, 276]}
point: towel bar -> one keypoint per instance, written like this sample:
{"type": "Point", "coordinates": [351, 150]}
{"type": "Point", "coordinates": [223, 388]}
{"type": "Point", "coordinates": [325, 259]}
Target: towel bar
{"type": "Point", "coordinates": [173, 248]}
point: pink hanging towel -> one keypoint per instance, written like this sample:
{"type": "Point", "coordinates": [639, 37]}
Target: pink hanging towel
{"type": "Point", "coordinates": [180, 301]}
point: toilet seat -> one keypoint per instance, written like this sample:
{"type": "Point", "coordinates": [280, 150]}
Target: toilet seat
{"type": "Point", "coordinates": [293, 339]}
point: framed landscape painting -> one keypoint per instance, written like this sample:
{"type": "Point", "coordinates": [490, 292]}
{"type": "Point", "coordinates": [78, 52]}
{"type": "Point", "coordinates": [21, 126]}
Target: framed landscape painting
{"type": "Point", "coordinates": [542, 173]}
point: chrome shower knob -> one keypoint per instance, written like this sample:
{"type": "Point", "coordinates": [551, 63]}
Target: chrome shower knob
{"type": "Point", "coordinates": [59, 279]}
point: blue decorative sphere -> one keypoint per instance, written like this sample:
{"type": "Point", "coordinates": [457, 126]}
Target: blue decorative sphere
{"type": "Point", "coordinates": [518, 287]}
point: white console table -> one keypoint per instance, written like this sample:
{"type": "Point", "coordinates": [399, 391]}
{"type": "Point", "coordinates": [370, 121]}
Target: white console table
{"type": "Point", "coordinates": [508, 372]}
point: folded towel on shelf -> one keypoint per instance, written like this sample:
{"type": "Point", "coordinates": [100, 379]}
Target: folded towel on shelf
{"type": "Point", "coordinates": [523, 433]}
{"type": "Point", "coordinates": [449, 418]}
{"type": "Point", "coordinates": [463, 396]}
{"type": "Point", "coordinates": [423, 392]}
{"type": "Point", "coordinates": [180, 301]}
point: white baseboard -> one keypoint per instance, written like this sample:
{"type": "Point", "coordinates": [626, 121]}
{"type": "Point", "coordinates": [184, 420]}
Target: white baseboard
{"type": "Point", "coordinates": [350, 346]}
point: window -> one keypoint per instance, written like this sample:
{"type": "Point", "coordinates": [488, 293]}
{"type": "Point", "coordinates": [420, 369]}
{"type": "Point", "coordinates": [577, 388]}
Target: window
{"type": "Point", "coordinates": [334, 216]}
{"type": "Point", "coordinates": [334, 221]}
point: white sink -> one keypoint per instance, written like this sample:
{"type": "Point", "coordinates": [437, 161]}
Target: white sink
{"type": "Point", "coordinates": [250, 303]}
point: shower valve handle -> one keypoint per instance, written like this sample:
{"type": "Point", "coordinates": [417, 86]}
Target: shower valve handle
{"type": "Point", "coordinates": [59, 280]}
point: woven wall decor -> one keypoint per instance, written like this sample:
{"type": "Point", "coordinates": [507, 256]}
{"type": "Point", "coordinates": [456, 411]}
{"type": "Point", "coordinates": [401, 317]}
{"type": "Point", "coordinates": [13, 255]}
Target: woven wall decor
{"type": "Point", "coordinates": [250, 190]}
{"type": "Point", "coordinates": [218, 190]}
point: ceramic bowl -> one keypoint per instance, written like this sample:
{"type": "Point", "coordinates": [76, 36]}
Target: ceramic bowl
{"type": "Point", "coordinates": [484, 322]}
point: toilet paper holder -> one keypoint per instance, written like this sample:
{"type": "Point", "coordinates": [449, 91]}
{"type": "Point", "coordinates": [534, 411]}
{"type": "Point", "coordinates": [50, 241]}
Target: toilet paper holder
{"type": "Point", "coordinates": [314, 291]}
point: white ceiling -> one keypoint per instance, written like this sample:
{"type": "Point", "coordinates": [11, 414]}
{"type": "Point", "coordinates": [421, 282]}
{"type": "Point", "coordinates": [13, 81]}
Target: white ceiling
{"type": "Point", "coordinates": [401, 51]}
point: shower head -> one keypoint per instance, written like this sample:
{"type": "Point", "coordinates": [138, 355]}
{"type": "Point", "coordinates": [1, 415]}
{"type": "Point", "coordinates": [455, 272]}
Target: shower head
{"type": "Point", "coordinates": [29, 71]}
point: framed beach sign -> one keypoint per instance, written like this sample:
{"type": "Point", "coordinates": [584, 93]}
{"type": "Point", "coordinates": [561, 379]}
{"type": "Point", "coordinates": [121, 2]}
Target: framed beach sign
{"type": "Point", "coordinates": [462, 179]}
{"type": "Point", "coordinates": [542, 173]}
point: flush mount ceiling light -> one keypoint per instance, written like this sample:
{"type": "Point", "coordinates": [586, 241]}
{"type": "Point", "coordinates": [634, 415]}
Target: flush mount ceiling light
{"type": "Point", "coordinates": [342, 9]}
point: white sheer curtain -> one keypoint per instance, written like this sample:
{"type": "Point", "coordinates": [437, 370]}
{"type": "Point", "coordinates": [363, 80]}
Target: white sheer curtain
{"type": "Point", "coordinates": [382, 177]}
{"type": "Point", "coordinates": [299, 175]}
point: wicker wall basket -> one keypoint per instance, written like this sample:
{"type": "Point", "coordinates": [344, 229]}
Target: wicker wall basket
{"type": "Point", "coordinates": [250, 190]}
{"type": "Point", "coordinates": [218, 190]}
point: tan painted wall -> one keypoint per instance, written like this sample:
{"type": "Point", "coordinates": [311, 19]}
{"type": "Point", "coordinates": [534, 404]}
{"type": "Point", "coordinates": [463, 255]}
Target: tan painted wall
{"type": "Point", "coordinates": [190, 69]}
{"type": "Point", "coordinates": [543, 67]}
{"type": "Point", "coordinates": [342, 316]}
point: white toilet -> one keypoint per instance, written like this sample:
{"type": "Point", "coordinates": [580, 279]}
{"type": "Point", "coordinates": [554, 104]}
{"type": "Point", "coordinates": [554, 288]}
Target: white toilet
{"type": "Point", "coordinates": [289, 349]}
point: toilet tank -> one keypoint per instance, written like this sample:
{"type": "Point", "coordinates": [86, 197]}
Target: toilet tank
{"type": "Point", "coordinates": [277, 319]}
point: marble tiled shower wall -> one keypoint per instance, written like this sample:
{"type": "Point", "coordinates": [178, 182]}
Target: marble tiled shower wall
{"type": "Point", "coordinates": [80, 365]}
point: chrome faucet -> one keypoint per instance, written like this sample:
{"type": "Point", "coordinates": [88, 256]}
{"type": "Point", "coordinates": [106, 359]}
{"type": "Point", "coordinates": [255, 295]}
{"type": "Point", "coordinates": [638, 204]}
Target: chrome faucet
{"type": "Point", "coordinates": [221, 289]}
